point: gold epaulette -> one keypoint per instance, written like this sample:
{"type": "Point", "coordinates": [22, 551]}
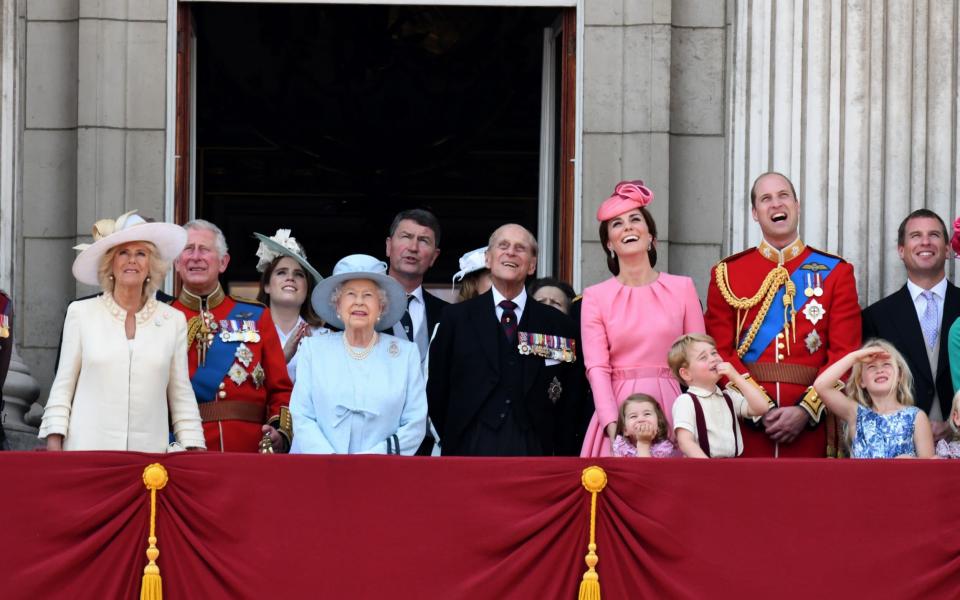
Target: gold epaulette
{"type": "Point", "coordinates": [247, 301]}
{"type": "Point", "coordinates": [825, 253]}
{"type": "Point", "coordinates": [735, 256]}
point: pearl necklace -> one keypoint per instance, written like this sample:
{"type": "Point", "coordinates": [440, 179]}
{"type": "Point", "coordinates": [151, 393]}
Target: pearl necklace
{"type": "Point", "coordinates": [120, 313]}
{"type": "Point", "coordinates": [361, 355]}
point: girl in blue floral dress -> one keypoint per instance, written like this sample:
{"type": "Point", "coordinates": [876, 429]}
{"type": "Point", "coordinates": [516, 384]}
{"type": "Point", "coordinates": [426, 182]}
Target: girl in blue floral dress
{"type": "Point", "coordinates": [876, 404]}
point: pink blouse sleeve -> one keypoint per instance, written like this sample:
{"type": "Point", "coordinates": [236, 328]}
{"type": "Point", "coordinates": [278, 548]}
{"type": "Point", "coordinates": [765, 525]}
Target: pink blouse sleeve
{"type": "Point", "coordinates": [596, 358]}
{"type": "Point", "coordinates": [692, 310]}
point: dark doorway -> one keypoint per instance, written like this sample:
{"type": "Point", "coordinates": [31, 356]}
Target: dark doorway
{"type": "Point", "coordinates": [329, 119]}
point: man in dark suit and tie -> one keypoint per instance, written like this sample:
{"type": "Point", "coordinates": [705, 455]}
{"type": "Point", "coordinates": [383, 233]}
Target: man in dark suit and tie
{"type": "Point", "coordinates": [501, 363]}
{"type": "Point", "coordinates": [412, 247]}
{"type": "Point", "coordinates": [917, 317]}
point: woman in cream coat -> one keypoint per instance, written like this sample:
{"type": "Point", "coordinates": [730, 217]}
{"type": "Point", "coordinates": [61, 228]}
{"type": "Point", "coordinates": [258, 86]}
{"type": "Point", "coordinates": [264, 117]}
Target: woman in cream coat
{"type": "Point", "coordinates": [123, 375]}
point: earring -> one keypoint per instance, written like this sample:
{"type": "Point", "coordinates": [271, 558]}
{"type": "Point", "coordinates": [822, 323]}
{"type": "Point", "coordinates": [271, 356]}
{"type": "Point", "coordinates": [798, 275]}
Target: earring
{"type": "Point", "coordinates": [147, 280]}
{"type": "Point", "coordinates": [612, 255]}
{"type": "Point", "coordinates": [649, 247]}
{"type": "Point", "coordinates": [111, 277]}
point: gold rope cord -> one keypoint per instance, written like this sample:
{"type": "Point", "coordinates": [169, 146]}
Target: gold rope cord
{"type": "Point", "coordinates": [151, 587]}
{"type": "Point", "coordinates": [768, 289]}
{"type": "Point", "coordinates": [594, 479]}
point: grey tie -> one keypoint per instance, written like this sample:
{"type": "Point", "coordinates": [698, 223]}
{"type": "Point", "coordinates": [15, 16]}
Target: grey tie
{"type": "Point", "coordinates": [928, 322]}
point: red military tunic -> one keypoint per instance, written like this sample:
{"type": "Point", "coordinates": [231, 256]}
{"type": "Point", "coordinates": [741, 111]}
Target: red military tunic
{"type": "Point", "coordinates": [787, 366]}
{"type": "Point", "coordinates": [233, 419]}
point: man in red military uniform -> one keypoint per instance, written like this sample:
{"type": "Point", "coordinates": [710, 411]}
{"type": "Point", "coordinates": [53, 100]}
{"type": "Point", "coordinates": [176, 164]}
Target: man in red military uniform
{"type": "Point", "coordinates": [780, 313]}
{"type": "Point", "coordinates": [237, 366]}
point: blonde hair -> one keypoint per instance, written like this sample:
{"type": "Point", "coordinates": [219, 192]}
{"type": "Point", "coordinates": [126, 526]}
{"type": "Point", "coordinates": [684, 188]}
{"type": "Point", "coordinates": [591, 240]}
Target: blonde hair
{"type": "Point", "coordinates": [641, 399]}
{"type": "Point", "coordinates": [955, 407]}
{"type": "Point", "coordinates": [677, 357]}
{"type": "Point", "coordinates": [468, 288]}
{"type": "Point", "coordinates": [854, 387]}
{"type": "Point", "coordinates": [156, 269]}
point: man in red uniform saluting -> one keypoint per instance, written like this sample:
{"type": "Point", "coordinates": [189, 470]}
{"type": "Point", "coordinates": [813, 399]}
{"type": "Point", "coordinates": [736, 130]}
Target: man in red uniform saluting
{"type": "Point", "coordinates": [236, 362]}
{"type": "Point", "coordinates": [780, 313]}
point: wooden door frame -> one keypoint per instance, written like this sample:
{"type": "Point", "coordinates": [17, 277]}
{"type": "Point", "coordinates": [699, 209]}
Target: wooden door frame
{"type": "Point", "coordinates": [567, 238]}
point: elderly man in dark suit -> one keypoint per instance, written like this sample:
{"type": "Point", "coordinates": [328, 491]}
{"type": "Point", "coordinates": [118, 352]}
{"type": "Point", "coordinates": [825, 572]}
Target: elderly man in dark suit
{"type": "Point", "coordinates": [917, 317]}
{"type": "Point", "coordinates": [501, 363]}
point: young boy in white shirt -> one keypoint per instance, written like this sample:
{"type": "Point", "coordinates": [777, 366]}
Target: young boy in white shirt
{"type": "Point", "coordinates": [706, 418]}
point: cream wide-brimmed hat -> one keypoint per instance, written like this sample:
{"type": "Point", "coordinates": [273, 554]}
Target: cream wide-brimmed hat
{"type": "Point", "coordinates": [128, 227]}
{"type": "Point", "coordinates": [471, 262]}
{"type": "Point", "coordinates": [282, 244]}
{"type": "Point", "coordinates": [360, 266]}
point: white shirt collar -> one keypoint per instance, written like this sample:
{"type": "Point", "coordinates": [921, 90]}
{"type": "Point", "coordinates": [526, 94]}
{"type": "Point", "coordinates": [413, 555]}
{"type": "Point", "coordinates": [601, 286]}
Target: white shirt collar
{"type": "Point", "coordinates": [520, 300]}
{"type": "Point", "coordinates": [417, 293]}
{"type": "Point", "coordinates": [940, 289]}
{"type": "Point", "coordinates": [703, 392]}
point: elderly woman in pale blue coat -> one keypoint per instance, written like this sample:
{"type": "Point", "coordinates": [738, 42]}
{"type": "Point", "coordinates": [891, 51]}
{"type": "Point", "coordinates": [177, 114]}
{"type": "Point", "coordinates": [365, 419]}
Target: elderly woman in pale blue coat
{"type": "Point", "coordinates": [360, 391]}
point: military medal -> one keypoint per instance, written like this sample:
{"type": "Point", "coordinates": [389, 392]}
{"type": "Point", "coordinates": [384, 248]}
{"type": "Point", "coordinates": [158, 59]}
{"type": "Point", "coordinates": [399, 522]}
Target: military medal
{"type": "Point", "coordinates": [237, 374]}
{"type": "Point", "coordinates": [813, 341]}
{"type": "Point", "coordinates": [808, 291]}
{"type": "Point", "coordinates": [818, 291]}
{"type": "Point", "coordinates": [814, 311]}
{"type": "Point", "coordinates": [553, 347]}
{"type": "Point", "coordinates": [4, 326]}
{"type": "Point", "coordinates": [231, 331]}
{"type": "Point", "coordinates": [249, 332]}
{"type": "Point", "coordinates": [258, 376]}
{"type": "Point", "coordinates": [244, 354]}
{"type": "Point", "coordinates": [554, 390]}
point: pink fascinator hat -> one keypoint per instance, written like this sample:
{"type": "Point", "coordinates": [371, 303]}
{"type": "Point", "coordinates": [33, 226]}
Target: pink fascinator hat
{"type": "Point", "coordinates": [955, 240]}
{"type": "Point", "coordinates": [628, 195]}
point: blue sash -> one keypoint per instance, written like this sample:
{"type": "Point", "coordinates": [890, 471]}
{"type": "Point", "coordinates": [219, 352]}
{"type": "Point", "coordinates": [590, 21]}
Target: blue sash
{"type": "Point", "coordinates": [773, 323]}
{"type": "Point", "coordinates": [206, 380]}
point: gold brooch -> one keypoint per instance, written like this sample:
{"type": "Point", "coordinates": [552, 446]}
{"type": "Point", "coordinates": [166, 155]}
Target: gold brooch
{"type": "Point", "coordinates": [258, 376]}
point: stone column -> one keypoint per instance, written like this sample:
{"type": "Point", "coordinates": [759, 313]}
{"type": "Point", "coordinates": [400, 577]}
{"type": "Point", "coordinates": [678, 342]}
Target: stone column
{"type": "Point", "coordinates": [20, 392]}
{"type": "Point", "coordinates": [654, 110]}
{"type": "Point", "coordinates": [697, 138]}
{"type": "Point", "coordinates": [93, 146]}
{"type": "Point", "coordinates": [43, 284]}
{"type": "Point", "coordinates": [626, 114]}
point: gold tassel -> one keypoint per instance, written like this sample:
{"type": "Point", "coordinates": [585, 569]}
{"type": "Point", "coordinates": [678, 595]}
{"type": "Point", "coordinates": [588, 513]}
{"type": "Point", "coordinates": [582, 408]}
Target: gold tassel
{"type": "Point", "coordinates": [594, 479]}
{"type": "Point", "coordinates": [151, 588]}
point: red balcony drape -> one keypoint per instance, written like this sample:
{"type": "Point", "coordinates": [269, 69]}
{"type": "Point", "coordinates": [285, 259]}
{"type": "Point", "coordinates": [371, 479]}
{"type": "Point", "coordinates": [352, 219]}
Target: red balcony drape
{"type": "Point", "coordinates": [249, 526]}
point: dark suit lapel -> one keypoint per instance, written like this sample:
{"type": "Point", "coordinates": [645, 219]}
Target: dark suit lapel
{"type": "Point", "coordinates": [907, 323]}
{"type": "Point", "coordinates": [433, 307]}
{"type": "Point", "coordinates": [530, 323]}
{"type": "Point", "coordinates": [483, 317]}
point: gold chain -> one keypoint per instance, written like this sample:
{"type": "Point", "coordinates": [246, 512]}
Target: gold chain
{"type": "Point", "coordinates": [768, 289]}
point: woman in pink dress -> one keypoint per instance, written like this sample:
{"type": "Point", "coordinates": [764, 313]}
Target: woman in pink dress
{"type": "Point", "coordinates": [630, 320]}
